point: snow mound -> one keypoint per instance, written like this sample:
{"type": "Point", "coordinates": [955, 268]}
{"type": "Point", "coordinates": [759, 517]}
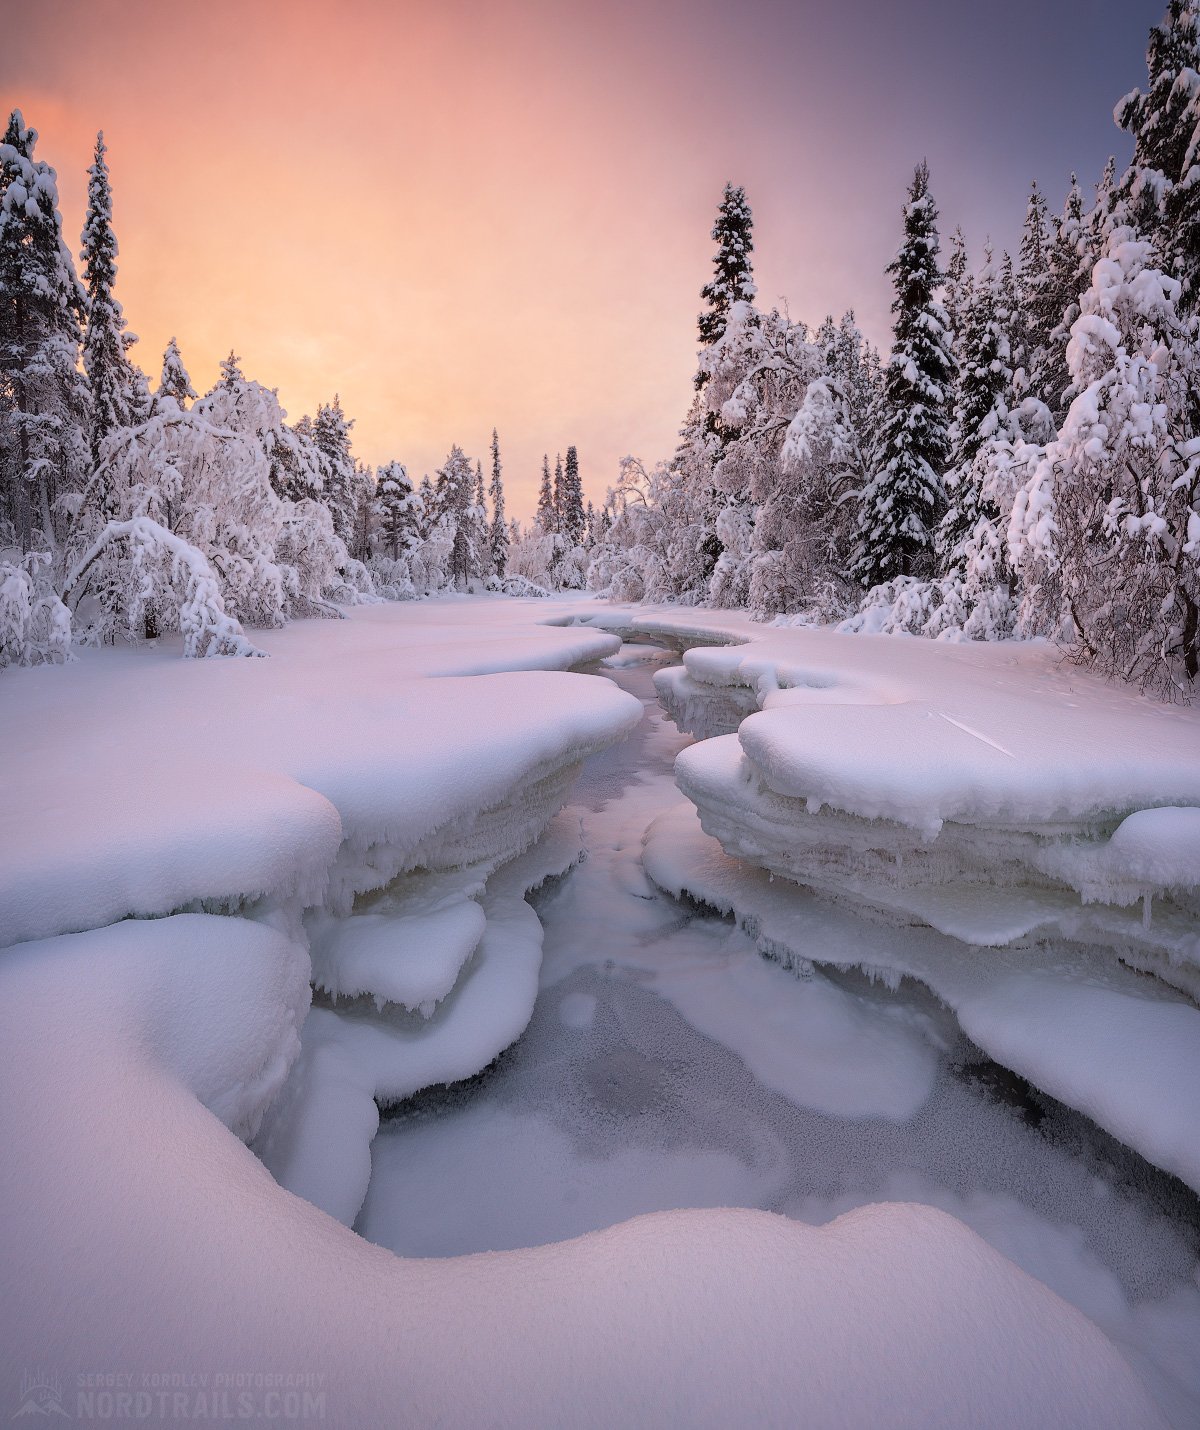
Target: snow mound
{"type": "Point", "coordinates": [147, 839]}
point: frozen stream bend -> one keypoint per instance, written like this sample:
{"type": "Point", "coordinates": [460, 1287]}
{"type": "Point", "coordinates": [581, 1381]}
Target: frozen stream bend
{"type": "Point", "coordinates": [668, 1064]}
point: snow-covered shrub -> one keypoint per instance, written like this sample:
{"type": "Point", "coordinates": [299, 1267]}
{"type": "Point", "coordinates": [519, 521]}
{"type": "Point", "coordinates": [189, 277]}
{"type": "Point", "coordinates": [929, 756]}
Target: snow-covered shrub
{"type": "Point", "coordinates": [515, 586]}
{"type": "Point", "coordinates": [169, 576]}
{"type": "Point", "coordinates": [35, 626]}
{"type": "Point", "coordinates": [1105, 532]}
{"type": "Point", "coordinates": [204, 477]}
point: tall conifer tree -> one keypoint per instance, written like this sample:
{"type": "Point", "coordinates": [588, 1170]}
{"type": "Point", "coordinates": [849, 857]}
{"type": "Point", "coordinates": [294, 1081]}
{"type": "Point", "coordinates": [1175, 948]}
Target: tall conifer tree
{"type": "Point", "coordinates": [733, 277]}
{"type": "Point", "coordinates": [903, 501]}
{"type": "Point", "coordinates": [104, 359]}
{"type": "Point", "coordinates": [44, 399]}
{"type": "Point", "coordinates": [498, 532]}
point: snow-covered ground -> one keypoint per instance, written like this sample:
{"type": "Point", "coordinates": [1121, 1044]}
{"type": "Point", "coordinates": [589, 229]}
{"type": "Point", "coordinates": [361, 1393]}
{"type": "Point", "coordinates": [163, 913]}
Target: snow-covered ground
{"type": "Point", "coordinates": [189, 844]}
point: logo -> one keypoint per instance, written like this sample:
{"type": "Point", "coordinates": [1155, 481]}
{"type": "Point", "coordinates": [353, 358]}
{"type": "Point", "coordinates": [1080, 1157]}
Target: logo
{"type": "Point", "coordinates": [41, 1394]}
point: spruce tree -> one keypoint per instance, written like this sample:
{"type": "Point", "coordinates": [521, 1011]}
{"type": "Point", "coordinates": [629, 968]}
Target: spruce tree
{"type": "Point", "coordinates": [104, 358]}
{"type": "Point", "coordinates": [1033, 278]}
{"type": "Point", "coordinates": [572, 514]}
{"type": "Point", "coordinates": [733, 278]}
{"type": "Point", "coordinates": [174, 381]}
{"type": "Point", "coordinates": [498, 532]}
{"type": "Point", "coordinates": [547, 516]}
{"type": "Point", "coordinates": [331, 432]}
{"type": "Point", "coordinates": [1055, 307]}
{"type": "Point", "coordinates": [958, 283]}
{"type": "Point", "coordinates": [982, 388]}
{"type": "Point", "coordinates": [44, 400]}
{"type": "Point", "coordinates": [394, 498]}
{"type": "Point", "coordinates": [1162, 184]}
{"type": "Point", "coordinates": [903, 500]}
{"type": "Point", "coordinates": [560, 497]}
{"type": "Point", "coordinates": [232, 374]}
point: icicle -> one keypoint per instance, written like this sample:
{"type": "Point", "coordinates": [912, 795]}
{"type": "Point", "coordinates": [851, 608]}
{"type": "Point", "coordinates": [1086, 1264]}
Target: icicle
{"type": "Point", "coordinates": [1146, 902]}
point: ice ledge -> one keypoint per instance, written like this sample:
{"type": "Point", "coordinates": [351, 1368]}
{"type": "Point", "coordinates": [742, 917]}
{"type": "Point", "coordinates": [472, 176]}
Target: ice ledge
{"type": "Point", "coordinates": [1123, 1050]}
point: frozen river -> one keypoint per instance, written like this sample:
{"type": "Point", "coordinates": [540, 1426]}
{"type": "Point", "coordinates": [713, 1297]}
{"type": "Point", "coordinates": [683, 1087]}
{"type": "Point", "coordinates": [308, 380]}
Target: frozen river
{"type": "Point", "coordinates": [642, 1083]}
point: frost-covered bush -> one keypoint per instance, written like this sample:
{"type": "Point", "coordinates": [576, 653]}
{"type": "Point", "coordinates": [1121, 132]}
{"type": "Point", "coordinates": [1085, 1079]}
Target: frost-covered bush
{"type": "Point", "coordinates": [35, 626]}
{"type": "Point", "coordinates": [1105, 531]}
{"type": "Point", "coordinates": [202, 479]}
{"type": "Point", "coordinates": [164, 574]}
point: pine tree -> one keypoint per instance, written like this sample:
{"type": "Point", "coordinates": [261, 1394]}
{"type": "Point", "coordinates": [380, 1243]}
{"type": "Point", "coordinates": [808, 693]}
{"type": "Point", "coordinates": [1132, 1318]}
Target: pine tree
{"type": "Point", "coordinates": [498, 536]}
{"type": "Point", "coordinates": [104, 358]}
{"type": "Point", "coordinates": [174, 381]}
{"type": "Point", "coordinates": [572, 514]}
{"type": "Point", "coordinates": [331, 432]}
{"type": "Point", "coordinates": [1162, 184]}
{"type": "Point", "coordinates": [733, 279]}
{"type": "Point", "coordinates": [903, 501]}
{"type": "Point", "coordinates": [547, 516]}
{"type": "Point", "coordinates": [44, 400]}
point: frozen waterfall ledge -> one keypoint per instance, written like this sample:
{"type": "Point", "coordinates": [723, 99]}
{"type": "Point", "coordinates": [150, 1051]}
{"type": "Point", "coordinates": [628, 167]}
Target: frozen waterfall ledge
{"type": "Point", "coordinates": [139, 1232]}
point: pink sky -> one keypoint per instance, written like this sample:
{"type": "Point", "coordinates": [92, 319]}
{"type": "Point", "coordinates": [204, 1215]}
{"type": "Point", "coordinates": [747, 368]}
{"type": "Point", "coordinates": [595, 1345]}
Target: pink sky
{"type": "Point", "coordinates": [465, 214]}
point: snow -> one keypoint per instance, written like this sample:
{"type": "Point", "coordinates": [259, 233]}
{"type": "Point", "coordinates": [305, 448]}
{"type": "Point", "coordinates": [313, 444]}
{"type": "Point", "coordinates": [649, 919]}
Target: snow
{"type": "Point", "coordinates": [385, 791]}
{"type": "Point", "coordinates": [141, 1234]}
{"type": "Point", "coordinates": [249, 766]}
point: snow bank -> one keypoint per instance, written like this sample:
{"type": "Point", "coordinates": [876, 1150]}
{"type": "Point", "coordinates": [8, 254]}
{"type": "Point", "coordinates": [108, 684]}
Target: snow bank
{"type": "Point", "coordinates": [990, 792]}
{"type": "Point", "coordinates": [140, 1236]}
{"type": "Point", "coordinates": [317, 1137]}
{"type": "Point", "coordinates": [172, 783]}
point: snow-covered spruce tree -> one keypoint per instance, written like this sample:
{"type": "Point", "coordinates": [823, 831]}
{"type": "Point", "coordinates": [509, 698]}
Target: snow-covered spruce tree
{"type": "Point", "coordinates": [1032, 278]}
{"type": "Point", "coordinates": [108, 369]}
{"type": "Point", "coordinates": [983, 386]}
{"type": "Point", "coordinates": [903, 501]}
{"type": "Point", "coordinates": [44, 399]}
{"type": "Point", "coordinates": [560, 495]}
{"type": "Point", "coordinates": [397, 506]}
{"type": "Point", "coordinates": [546, 515]}
{"type": "Point", "coordinates": [454, 490]}
{"type": "Point", "coordinates": [1162, 184]}
{"type": "Point", "coordinates": [572, 513]}
{"type": "Point", "coordinates": [498, 535]}
{"type": "Point", "coordinates": [957, 286]}
{"type": "Point", "coordinates": [481, 550]}
{"type": "Point", "coordinates": [691, 573]}
{"type": "Point", "coordinates": [174, 381]}
{"type": "Point", "coordinates": [331, 432]}
{"type": "Point", "coordinates": [1055, 307]}
{"type": "Point", "coordinates": [362, 530]}
{"type": "Point", "coordinates": [1105, 531]}
{"type": "Point", "coordinates": [733, 278]}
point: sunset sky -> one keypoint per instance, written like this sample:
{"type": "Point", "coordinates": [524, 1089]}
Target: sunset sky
{"type": "Point", "coordinates": [462, 214]}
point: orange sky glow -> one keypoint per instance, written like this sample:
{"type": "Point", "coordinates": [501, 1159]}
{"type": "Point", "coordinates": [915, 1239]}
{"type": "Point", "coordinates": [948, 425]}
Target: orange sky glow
{"type": "Point", "coordinates": [467, 215]}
